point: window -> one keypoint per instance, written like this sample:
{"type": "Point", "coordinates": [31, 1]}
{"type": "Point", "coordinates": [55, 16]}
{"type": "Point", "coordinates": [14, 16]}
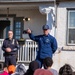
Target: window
{"type": "Point", "coordinates": [71, 27]}
{"type": "Point", "coordinates": [18, 27]}
{"type": "Point", "coordinates": [18, 30]}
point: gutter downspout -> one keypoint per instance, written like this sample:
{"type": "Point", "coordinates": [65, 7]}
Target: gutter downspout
{"type": "Point", "coordinates": [55, 22]}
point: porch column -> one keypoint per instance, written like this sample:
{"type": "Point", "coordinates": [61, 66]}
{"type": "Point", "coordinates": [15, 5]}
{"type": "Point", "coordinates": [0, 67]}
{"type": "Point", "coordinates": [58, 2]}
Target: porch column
{"type": "Point", "coordinates": [49, 11]}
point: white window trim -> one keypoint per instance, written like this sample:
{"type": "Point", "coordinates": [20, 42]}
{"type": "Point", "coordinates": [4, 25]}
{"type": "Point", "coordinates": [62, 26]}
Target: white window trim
{"type": "Point", "coordinates": [69, 28]}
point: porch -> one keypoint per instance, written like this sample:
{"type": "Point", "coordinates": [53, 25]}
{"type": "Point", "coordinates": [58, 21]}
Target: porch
{"type": "Point", "coordinates": [26, 54]}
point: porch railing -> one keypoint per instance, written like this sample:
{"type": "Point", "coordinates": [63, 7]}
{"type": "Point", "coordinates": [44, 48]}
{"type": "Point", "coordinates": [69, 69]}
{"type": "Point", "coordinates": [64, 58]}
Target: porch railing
{"type": "Point", "coordinates": [26, 53]}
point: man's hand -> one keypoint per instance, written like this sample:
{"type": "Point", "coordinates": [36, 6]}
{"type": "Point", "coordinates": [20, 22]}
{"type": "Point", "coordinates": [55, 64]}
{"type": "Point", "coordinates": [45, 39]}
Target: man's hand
{"type": "Point", "coordinates": [28, 31]}
{"type": "Point", "coordinates": [8, 49]}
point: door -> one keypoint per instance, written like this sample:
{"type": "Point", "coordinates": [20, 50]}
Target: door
{"type": "Point", "coordinates": [18, 27]}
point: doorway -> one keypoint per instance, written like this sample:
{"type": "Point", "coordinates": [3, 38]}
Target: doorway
{"type": "Point", "coordinates": [3, 24]}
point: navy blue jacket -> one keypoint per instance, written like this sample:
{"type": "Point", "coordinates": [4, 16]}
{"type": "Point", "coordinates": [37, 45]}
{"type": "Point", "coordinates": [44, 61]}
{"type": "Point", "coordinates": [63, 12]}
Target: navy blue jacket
{"type": "Point", "coordinates": [13, 44]}
{"type": "Point", "coordinates": [47, 45]}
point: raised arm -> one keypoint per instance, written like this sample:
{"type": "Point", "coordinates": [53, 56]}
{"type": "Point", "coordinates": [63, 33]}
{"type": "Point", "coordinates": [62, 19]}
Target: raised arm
{"type": "Point", "coordinates": [32, 37]}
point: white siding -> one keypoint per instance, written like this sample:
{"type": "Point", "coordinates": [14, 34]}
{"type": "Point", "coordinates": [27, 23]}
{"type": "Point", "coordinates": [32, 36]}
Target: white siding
{"type": "Point", "coordinates": [61, 26]}
{"type": "Point", "coordinates": [62, 22]}
{"type": "Point", "coordinates": [65, 56]}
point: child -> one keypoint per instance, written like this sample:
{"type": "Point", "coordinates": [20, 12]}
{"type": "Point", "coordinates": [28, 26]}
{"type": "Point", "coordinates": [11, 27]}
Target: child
{"type": "Point", "coordinates": [11, 69]}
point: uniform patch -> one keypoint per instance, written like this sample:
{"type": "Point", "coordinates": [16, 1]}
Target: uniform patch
{"type": "Point", "coordinates": [47, 40]}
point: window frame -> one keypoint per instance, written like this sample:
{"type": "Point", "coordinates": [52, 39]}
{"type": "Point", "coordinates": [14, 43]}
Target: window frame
{"type": "Point", "coordinates": [68, 27]}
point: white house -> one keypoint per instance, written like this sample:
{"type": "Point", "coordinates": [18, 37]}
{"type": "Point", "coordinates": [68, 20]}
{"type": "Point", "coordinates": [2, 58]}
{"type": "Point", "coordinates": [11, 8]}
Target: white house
{"type": "Point", "coordinates": [58, 14]}
{"type": "Point", "coordinates": [65, 23]}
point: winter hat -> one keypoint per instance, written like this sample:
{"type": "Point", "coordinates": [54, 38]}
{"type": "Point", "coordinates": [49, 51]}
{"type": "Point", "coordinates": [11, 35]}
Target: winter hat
{"type": "Point", "coordinates": [11, 69]}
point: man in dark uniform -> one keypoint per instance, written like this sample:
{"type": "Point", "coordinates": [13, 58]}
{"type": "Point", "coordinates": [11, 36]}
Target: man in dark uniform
{"type": "Point", "coordinates": [10, 47]}
{"type": "Point", "coordinates": [47, 44]}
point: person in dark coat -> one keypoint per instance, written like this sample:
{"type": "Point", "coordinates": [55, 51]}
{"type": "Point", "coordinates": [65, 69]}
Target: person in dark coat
{"type": "Point", "coordinates": [32, 67]}
{"type": "Point", "coordinates": [10, 47]}
{"type": "Point", "coordinates": [47, 44]}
